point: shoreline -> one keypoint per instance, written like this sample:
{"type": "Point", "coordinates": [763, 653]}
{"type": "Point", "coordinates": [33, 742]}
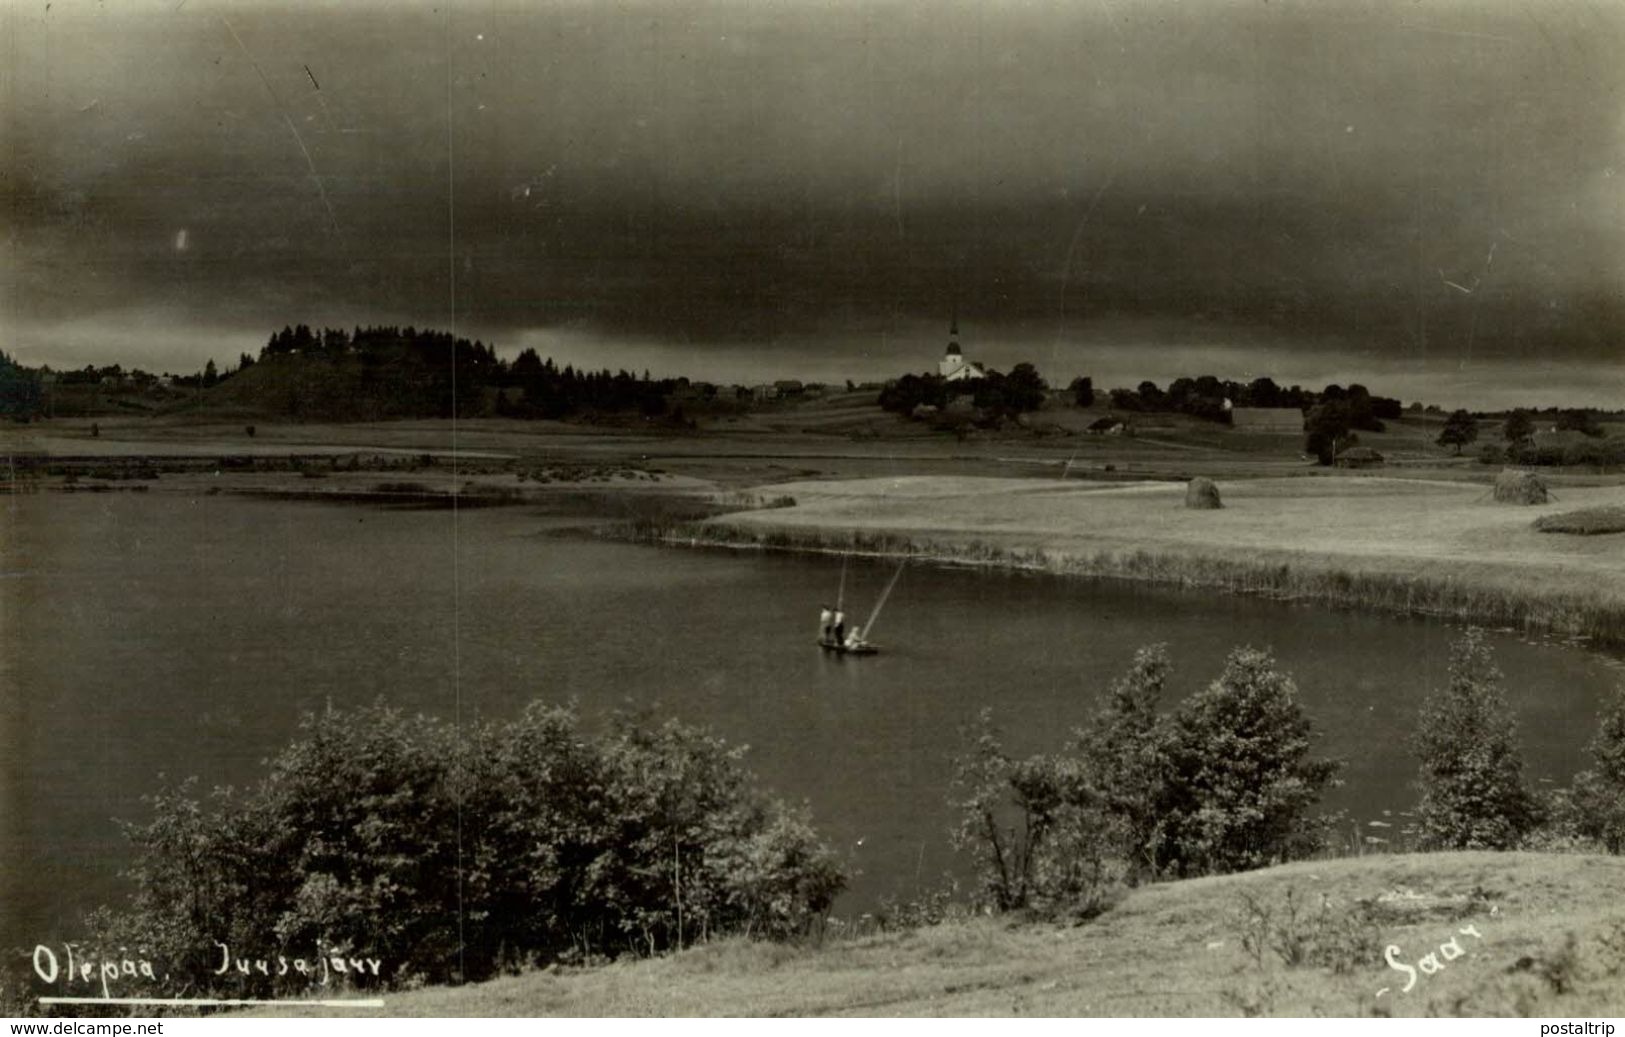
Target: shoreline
{"type": "Point", "coordinates": [1580, 618]}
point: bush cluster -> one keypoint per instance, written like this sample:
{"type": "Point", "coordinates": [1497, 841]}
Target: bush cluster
{"type": "Point", "coordinates": [1592, 809]}
{"type": "Point", "coordinates": [451, 853]}
{"type": "Point", "coordinates": [1225, 783]}
{"type": "Point", "coordinates": [1473, 792]}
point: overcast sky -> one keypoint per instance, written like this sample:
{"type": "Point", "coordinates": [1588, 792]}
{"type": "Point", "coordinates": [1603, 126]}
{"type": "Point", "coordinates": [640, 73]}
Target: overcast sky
{"type": "Point", "coordinates": [1419, 192]}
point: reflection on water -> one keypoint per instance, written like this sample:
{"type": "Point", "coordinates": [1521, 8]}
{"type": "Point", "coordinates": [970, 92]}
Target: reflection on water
{"type": "Point", "coordinates": [164, 634]}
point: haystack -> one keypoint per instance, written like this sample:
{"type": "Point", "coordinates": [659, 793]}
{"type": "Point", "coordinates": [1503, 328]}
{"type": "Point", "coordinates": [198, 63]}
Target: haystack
{"type": "Point", "coordinates": [1201, 493]}
{"type": "Point", "coordinates": [1514, 486]}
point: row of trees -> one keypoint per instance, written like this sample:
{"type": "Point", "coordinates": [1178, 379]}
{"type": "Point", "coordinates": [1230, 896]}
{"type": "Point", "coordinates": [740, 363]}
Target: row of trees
{"type": "Point", "coordinates": [410, 367]}
{"type": "Point", "coordinates": [996, 397]}
{"type": "Point", "coordinates": [551, 392]}
{"type": "Point", "coordinates": [1334, 414]}
{"type": "Point", "coordinates": [1518, 433]}
{"type": "Point", "coordinates": [450, 854]}
{"type": "Point", "coordinates": [1205, 397]}
{"type": "Point", "coordinates": [1227, 782]}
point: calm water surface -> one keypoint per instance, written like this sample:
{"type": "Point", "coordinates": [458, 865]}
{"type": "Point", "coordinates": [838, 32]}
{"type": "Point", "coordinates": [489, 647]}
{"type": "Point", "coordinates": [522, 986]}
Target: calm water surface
{"type": "Point", "coordinates": [149, 635]}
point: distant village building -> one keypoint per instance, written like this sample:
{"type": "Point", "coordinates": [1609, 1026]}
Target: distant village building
{"type": "Point", "coordinates": [1278, 420]}
{"type": "Point", "coordinates": [1358, 457]}
{"type": "Point", "coordinates": [788, 387]}
{"type": "Point", "coordinates": [954, 367]}
{"type": "Point", "coordinates": [1108, 427]}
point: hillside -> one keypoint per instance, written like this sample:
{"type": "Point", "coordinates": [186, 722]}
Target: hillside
{"type": "Point", "coordinates": [1551, 943]}
{"type": "Point", "coordinates": [346, 388]}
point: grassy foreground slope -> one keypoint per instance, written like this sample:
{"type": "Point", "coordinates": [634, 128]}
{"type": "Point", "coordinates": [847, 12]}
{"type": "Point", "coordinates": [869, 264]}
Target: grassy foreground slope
{"type": "Point", "coordinates": [1552, 943]}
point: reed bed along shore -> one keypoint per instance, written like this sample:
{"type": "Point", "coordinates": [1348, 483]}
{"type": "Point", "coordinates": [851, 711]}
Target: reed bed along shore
{"type": "Point", "coordinates": [1538, 610]}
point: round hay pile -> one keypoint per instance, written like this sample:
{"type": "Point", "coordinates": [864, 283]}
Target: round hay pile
{"type": "Point", "coordinates": [1514, 486]}
{"type": "Point", "coordinates": [1202, 494]}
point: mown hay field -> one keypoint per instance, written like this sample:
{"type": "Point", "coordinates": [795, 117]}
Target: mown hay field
{"type": "Point", "coordinates": [1412, 546]}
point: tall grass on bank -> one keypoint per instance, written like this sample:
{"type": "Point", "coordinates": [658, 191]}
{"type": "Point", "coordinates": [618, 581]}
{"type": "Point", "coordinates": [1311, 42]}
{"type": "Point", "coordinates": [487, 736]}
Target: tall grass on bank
{"type": "Point", "coordinates": [1536, 611]}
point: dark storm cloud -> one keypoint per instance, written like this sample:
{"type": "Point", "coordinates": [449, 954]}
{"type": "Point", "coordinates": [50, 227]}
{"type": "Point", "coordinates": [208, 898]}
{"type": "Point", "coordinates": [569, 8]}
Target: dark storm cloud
{"type": "Point", "coordinates": [1424, 179]}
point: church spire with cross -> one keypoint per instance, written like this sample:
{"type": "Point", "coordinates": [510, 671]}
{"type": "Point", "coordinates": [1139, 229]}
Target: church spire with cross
{"type": "Point", "coordinates": [954, 367]}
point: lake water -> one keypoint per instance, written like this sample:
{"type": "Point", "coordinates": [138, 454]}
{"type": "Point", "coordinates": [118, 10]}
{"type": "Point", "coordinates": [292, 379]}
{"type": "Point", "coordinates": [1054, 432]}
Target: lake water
{"type": "Point", "coordinates": [150, 634]}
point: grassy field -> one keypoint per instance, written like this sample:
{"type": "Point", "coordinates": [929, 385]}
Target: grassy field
{"type": "Point", "coordinates": [1418, 535]}
{"type": "Point", "coordinates": [1301, 939]}
{"type": "Point", "coordinates": [1405, 544]}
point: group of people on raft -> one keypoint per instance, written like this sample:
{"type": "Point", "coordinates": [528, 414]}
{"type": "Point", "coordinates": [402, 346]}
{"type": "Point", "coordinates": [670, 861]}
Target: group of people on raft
{"type": "Point", "coordinates": [832, 629]}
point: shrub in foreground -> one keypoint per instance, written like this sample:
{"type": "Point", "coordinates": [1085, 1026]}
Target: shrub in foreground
{"type": "Point", "coordinates": [1126, 748]}
{"type": "Point", "coordinates": [1033, 827]}
{"type": "Point", "coordinates": [449, 854]}
{"type": "Point", "coordinates": [1225, 784]}
{"type": "Point", "coordinates": [1241, 780]}
{"type": "Point", "coordinates": [1473, 795]}
{"type": "Point", "coordinates": [1597, 798]}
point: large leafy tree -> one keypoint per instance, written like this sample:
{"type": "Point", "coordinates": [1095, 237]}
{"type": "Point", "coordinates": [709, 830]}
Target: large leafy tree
{"type": "Point", "coordinates": [1459, 430]}
{"type": "Point", "coordinates": [1242, 781]}
{"type": "Point", "coordinates": [1329, 430]}
{"type": "Point", "coordinates": [1473, 794]}
{"type": "Point", "coordinates": [1083, 391]}
{"type": "Point", "coordinates": [1518, 428]}
{"type": "Point", "coordinates": [1125, 750]}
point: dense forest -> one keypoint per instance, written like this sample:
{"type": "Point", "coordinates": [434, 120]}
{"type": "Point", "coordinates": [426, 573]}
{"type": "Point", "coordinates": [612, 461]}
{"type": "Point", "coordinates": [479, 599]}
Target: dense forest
{"type": "Point", "coordinates": [363, 374]}
{"type": "Point", "coordinates": [425, 373]}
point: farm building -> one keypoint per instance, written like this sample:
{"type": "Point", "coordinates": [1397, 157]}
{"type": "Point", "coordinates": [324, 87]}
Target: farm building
{"type": "Point", "coordinates": [1358, 457]}
{"type": "Point", "coordinates": [1108, 427]}
{"type": "Point", "coordinates": [1280, 420]}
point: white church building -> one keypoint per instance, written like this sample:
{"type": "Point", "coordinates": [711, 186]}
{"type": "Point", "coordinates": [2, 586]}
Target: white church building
{"type": "Point", "coordinates": [954, 367]}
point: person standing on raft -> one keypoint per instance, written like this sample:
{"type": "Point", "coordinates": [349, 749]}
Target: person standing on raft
{"type": "Point", "coordinates": [840, 627]}
{"type": "Point", "coordinates": [825, 618]}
